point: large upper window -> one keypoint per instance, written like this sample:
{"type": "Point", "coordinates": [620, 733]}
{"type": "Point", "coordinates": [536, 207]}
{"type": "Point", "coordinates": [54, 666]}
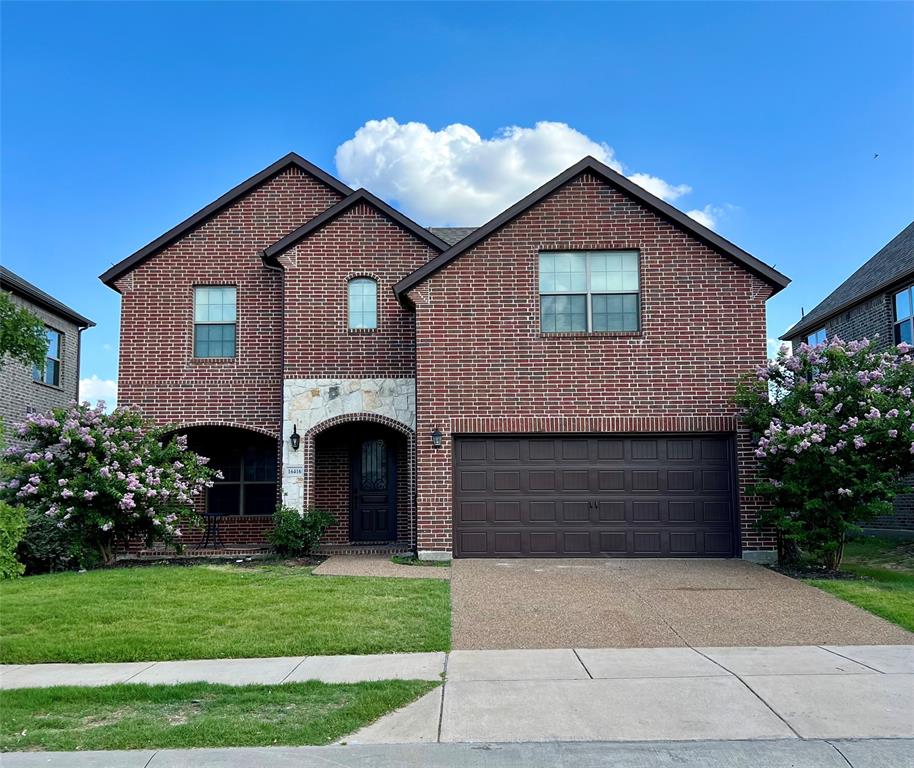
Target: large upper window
{"type": "Point", "coordinates": [363, 304]}
{"type": "Point", "coordinates": [51, 372]}
{"type": "Point", "coordinates": [904, 316]}
{"type": "Point", "coordinates": [589, 291]}
{"type": "Point", "coordinates": [816, 338]}
{"type": "Point", "coordinates": [215, 318]}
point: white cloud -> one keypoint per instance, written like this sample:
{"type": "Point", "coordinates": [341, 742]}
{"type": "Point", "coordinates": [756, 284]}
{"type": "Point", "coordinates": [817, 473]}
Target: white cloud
{"type": "Point", "coordinates": [94, 388]}
{"type": "Point", "coordinates": [660, 188]}
{"type": "Point", "coordinates": [707, 215]}
{"type": "Point", "coordinates": [456, 177]}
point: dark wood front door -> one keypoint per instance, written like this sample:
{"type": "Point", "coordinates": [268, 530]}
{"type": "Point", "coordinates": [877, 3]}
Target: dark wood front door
{"type": "Point", "coordinates": [373, 514]}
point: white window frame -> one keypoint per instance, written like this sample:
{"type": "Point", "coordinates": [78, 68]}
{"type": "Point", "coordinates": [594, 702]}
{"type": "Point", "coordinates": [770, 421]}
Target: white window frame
{"type": "Point", "coordinates": [40, 374]}
{"type": "Point", "coordinates": [897, 322]}
{"type": "Point", "coordinates": [234, 354]}
{"type": "Point", "coordinates": [813, 338]}
{"type": "Point", "coordinates": [349, 283]}
{"type": "Point", "coordinates": [588, 293]}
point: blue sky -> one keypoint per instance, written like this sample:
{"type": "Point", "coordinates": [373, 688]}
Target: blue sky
{"type": "Point", "coordinates": [121, 119]}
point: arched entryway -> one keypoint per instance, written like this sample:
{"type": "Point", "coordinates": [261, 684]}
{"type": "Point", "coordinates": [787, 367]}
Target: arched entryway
{"type": "Point", "coordinates": [362, 472]}
{"type": "Point", "coordinates": [246, 496]}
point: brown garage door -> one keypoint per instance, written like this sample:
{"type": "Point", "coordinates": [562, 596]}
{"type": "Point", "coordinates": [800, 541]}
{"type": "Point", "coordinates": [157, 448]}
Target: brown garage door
{"type": "Point", "coordinates": [605, 496]}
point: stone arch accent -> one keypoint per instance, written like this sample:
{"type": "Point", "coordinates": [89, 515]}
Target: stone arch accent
{"type": "Point", "coordinates": [309, 456]}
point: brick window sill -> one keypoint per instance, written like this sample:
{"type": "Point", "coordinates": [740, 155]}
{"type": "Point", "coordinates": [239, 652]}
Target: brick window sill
{"type": "Point", "coordinates": [592, 334]}
{"type": "Point", "coordinates": [55, 387]}
{"type": "Point", "coordinates": [214, 361]}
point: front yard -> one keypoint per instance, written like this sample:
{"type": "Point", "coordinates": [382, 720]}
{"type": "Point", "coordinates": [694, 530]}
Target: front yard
{"type": "Point", "coordinates": [195, 715]}
{"type": "Point", "coordinates": [884, 568]}
{"type": "Point", "coordinates": [167, 612]}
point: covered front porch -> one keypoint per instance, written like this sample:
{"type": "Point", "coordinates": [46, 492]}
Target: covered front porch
{"type": "Point", "coordinates": [361, 471]}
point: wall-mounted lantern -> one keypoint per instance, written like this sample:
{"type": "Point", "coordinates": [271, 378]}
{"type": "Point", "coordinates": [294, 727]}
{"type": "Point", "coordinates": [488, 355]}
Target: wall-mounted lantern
{"type": "Point", "coordinates": [436, 438]}
{"type": "Point", "coordinates": [295, 438]}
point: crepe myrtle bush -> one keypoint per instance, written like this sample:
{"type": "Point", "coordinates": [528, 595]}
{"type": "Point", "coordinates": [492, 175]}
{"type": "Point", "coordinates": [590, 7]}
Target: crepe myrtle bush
{"type": "Point", "coordinates": [104, 477]}
{"type": "Point", "coordinates": [835, 438]}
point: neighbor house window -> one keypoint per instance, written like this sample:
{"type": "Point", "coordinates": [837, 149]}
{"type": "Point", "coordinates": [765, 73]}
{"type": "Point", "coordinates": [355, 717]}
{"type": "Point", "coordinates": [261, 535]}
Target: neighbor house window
{"type": "Point", "coordinates": [215, 318]}
{"type": "Point", "coordinates": [51, 373]}
{"type": "Point", "coordinates": [816, 338]}
{"type": "Point", "coordinates": [589, 291]}
{"type": "Point", "coordinates": [363, 304]}
{"type": "Point", "coordinates": [904, 316]}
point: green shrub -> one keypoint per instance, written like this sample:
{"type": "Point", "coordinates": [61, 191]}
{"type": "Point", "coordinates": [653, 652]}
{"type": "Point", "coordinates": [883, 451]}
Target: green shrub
{"type": "Point", "coordinates": [12, 528]}
{"type": "Point", "coordinates": [46, 547]}
{"type": "Point", "coordinates": [298, 533]}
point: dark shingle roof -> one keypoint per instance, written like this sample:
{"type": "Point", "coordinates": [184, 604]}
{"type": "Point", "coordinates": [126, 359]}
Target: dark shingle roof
{"type": "Point", "coordinates": [11, 282]}
{"type": "Point", "coordinates": [893, 263]}
{"type": "Point", "coordinates": [452, 235]}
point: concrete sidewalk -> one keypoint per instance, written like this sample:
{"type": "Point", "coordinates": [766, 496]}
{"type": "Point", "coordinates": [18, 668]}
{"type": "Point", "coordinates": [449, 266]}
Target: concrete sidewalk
{"type": "Point", "coordinates": [295, 669]}
{"type": "Point", "coordinates": [713, 754]}
{"type": "Point", "coordinates": [660, 694]}
{"type": "Point", "coordinates": [560, 695]}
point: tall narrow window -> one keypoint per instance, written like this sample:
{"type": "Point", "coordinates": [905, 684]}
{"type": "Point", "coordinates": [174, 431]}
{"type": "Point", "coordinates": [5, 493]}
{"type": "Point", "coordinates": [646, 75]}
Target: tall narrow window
{"type": "Point", "coordinates": [363, 303]}
{"type": "Point", "coordinates": [51, 372]}
{"type": "Point", "coordinates": [904, 316]}
{"type": "Point", "coordinates": [589, 291]}
{"type": "Point", "coordinates": [215, 317]}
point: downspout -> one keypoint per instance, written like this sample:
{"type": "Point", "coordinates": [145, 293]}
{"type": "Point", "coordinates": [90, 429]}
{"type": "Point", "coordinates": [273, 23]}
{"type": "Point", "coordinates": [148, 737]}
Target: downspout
{"type": "Point", "coordinates": [79, 354]}
{"type": "Point", "coordinates": [282, 364]}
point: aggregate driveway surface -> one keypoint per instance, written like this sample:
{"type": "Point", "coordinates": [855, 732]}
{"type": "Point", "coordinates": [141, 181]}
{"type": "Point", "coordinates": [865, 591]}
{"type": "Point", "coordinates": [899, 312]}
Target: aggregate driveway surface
{"type": "Point", "coordinates": [559, 603]}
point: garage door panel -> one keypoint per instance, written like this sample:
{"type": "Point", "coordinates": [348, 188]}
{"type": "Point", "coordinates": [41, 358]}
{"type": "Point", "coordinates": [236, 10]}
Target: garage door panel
{"type": "Point", "coordinates": [541, 480]}
{"type": "Point", "coordinates": [643, 496]}
{"type": "Point", "coordinates": [575, 511]}
{"type": "Point", "coordinates": [542, 511]}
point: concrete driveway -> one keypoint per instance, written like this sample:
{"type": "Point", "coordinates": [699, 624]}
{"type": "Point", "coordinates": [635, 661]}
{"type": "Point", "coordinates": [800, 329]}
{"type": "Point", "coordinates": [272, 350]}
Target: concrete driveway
{"type": "Point", "coordinates": [648, 604]}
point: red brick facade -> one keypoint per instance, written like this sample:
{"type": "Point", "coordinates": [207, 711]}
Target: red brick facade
{"type": "Point", "coordinates": [158, 372]}
{"type": "Point", "coordinates": [481, 363]}
{"type": "Point", "coordinates": [484, 366]}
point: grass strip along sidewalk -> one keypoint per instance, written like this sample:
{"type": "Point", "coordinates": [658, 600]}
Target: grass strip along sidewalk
{"type": "Point", "coordinates": [195, 714]}
{"type": "Point", "coordinates": [168, 612]}
{"type": "Point", "coordinates": [884, 568]}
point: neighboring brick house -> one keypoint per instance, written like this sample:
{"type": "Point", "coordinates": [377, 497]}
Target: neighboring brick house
{"type": "Point", "coordinates": [551, 383]}
{"type": "Point", "coordinates": [27, 389]}
{"type": "Point", "coordinates": [877, 303]}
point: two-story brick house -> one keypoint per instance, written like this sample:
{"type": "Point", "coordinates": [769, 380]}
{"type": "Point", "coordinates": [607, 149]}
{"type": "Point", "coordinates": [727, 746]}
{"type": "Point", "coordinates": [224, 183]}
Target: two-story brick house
{"type": "Point", "coordinates": [550, 383]}
{"type": "Point", "coordinates": [30, 389]}
{"type": "Point", "coordinates": [877, 303]}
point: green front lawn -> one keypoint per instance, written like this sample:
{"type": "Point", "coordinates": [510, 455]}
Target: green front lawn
{"type": "Point", "coordinates": [884, 585]}
{"type": "Point", "coordinates": [167, 612]}
{"type": "Point", "coordinates": [195, 714]}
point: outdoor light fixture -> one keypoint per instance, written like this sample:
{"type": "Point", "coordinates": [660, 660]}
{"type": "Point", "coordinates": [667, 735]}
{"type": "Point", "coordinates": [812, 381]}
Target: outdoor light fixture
{"type": "Point", "coordinates": [436, 438]}
{"type": "Point", "coordinates": [295, 438]}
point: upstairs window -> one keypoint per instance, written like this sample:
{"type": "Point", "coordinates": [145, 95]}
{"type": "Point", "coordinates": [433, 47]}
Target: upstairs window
{"type": "Point", "coordinates": [363, 304]}
{"type": "Point", "coordinates": [51, 372]}
{"type": "Point", "coordinates": [816, 338]}
{"type": "Point", "coordinates": [215, 317]}
{"type": "Point", "coordinates": [589, 291]}
{"type": "Point", "coordinates": [904, 316]}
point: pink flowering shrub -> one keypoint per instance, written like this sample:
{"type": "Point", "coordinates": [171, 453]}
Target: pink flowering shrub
{"type": "Point", "coordinates": [104, 477]}
{"type": "Point", "coordinates": [835, 434]}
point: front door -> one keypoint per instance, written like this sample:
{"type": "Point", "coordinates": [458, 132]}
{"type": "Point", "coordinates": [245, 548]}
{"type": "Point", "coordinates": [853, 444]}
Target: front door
{"type": "Point", "coordinates": [374, 491]}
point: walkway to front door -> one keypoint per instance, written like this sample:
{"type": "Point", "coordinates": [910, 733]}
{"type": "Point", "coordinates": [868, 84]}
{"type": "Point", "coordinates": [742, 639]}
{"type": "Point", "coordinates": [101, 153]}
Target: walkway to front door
{"type": "Point", "coordinates": [560, 603]}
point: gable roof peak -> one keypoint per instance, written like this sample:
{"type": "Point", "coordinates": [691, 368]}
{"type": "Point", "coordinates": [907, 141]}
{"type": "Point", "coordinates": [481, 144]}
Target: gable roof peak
{"type": "Point", "coordinates": [360, 195]}
{"type": "Point", "coordinates": [292, 159]}
{"type": "Point", "coordinates": [590, 164]}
